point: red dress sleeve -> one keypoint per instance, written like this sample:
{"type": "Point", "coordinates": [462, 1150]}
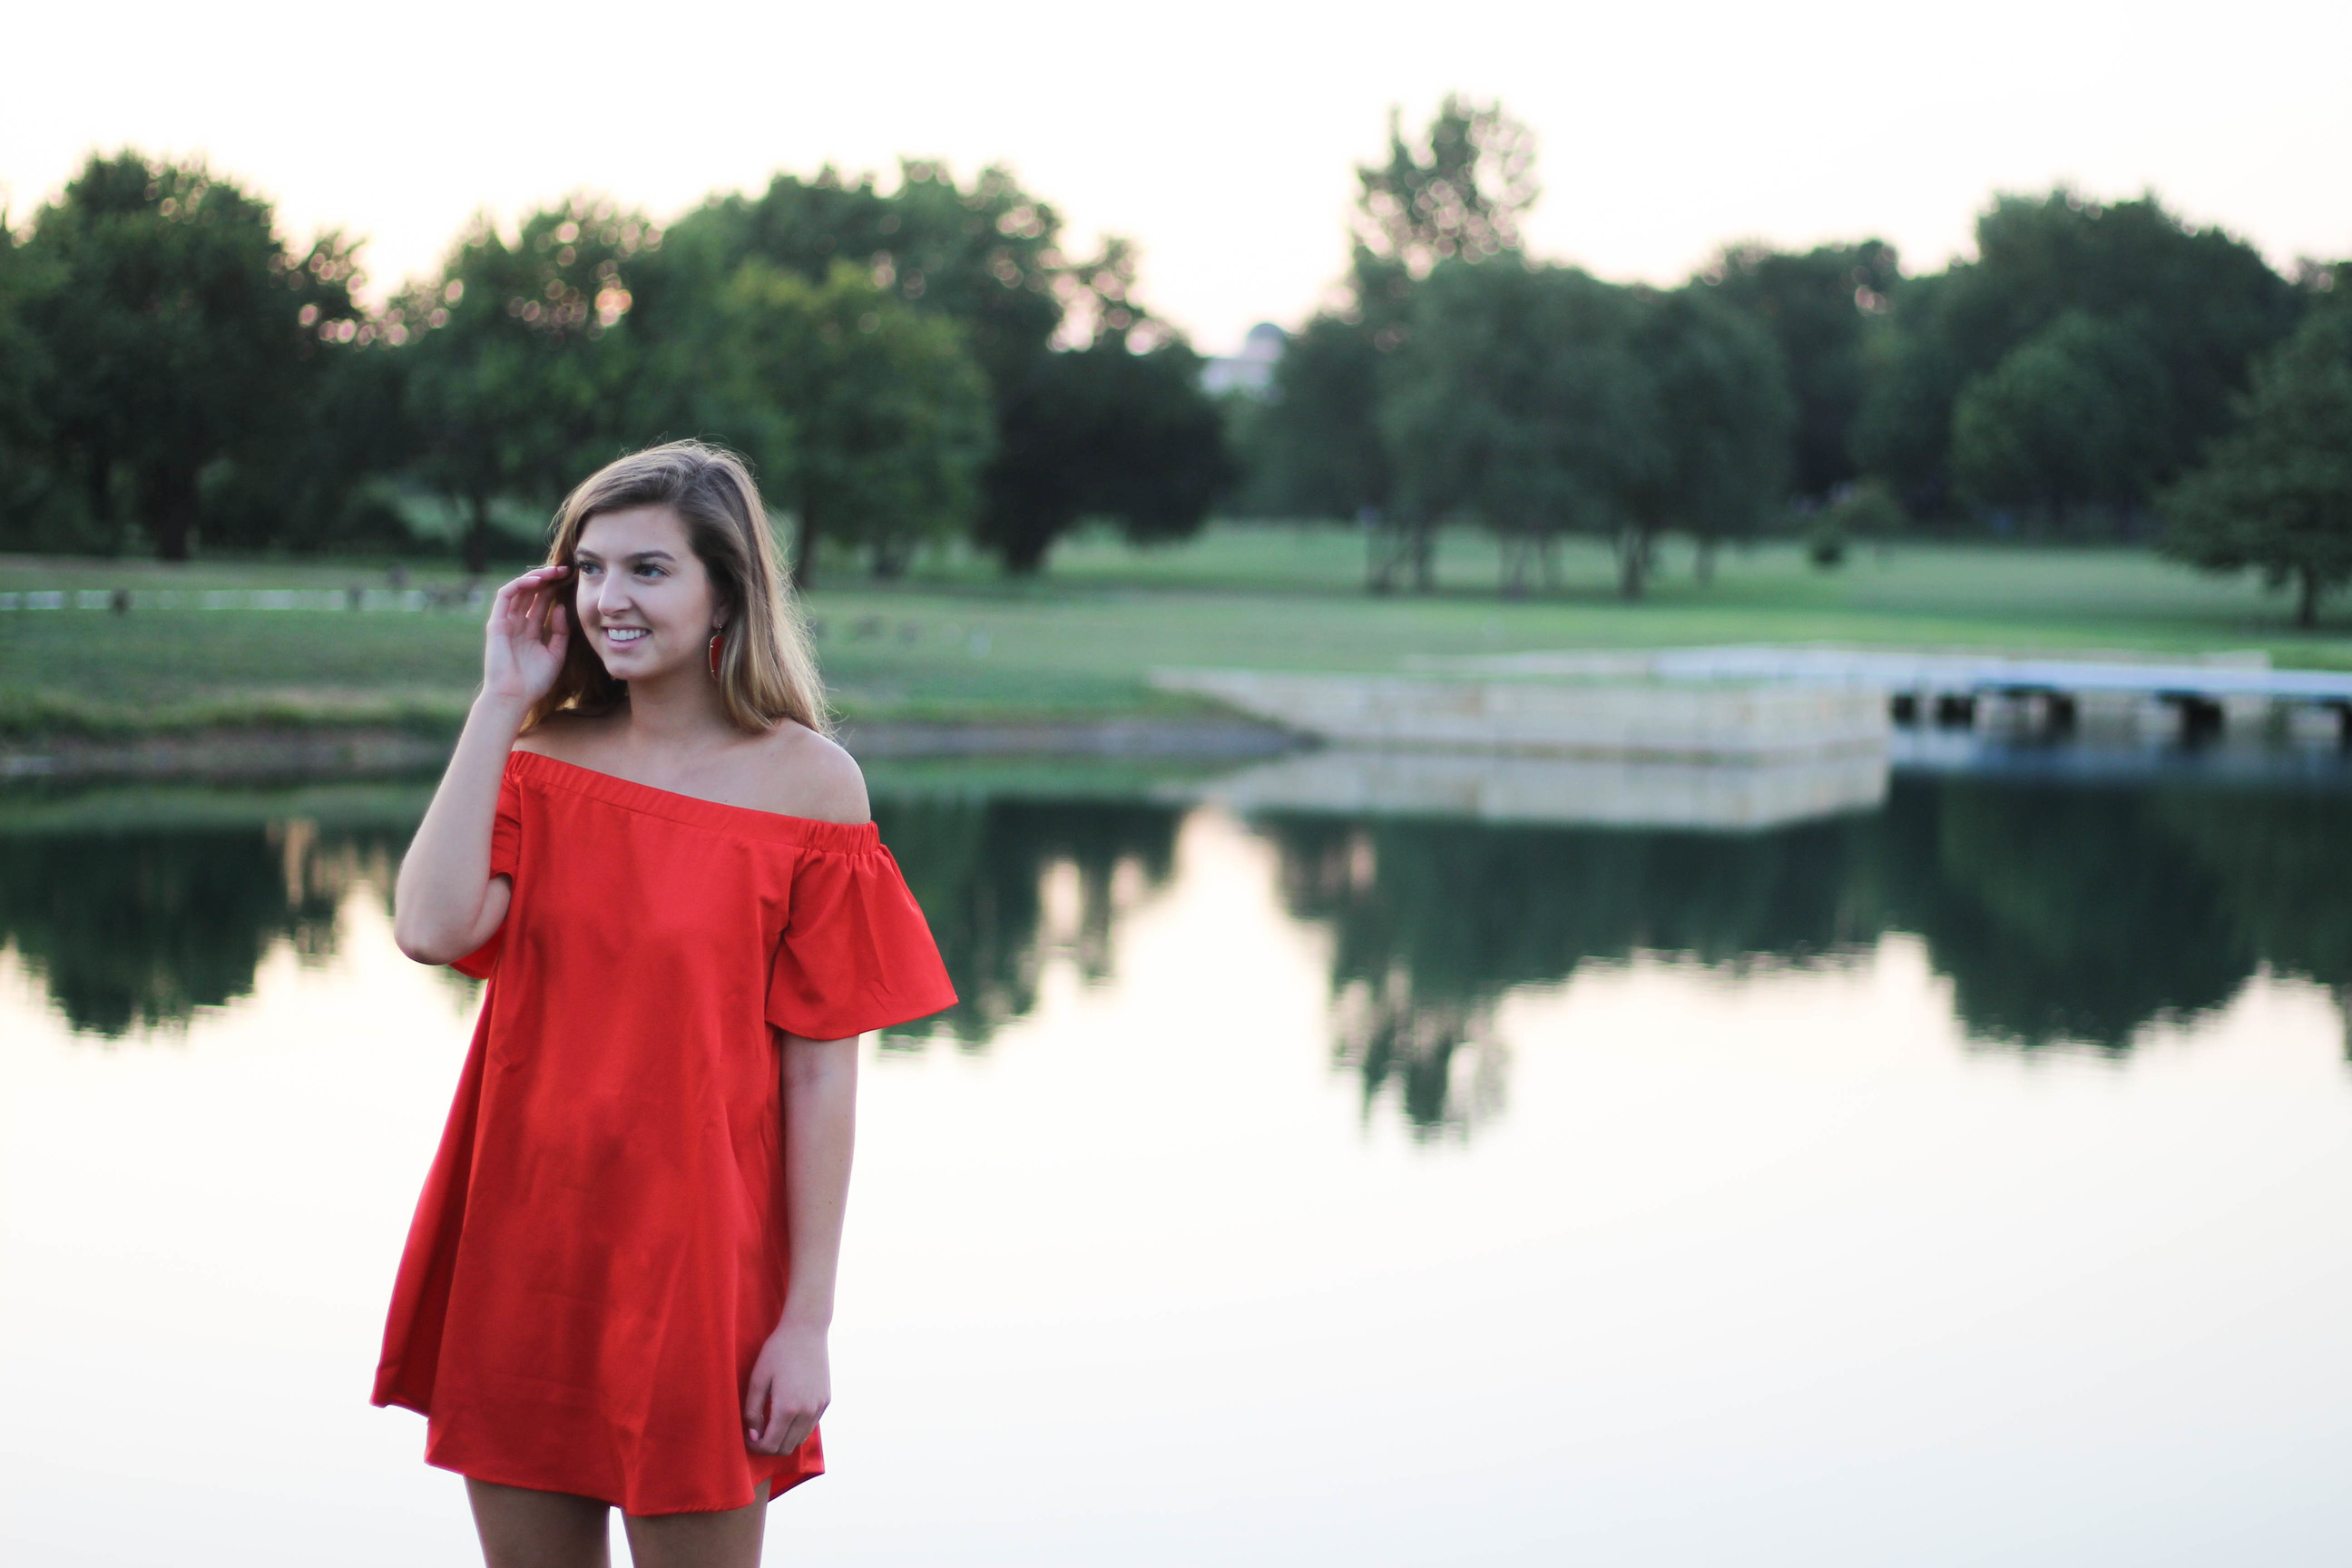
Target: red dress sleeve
{"type": "Point", "coordinates": [505, 845]}
{"type": "Point", "coordinates": [856, 953]}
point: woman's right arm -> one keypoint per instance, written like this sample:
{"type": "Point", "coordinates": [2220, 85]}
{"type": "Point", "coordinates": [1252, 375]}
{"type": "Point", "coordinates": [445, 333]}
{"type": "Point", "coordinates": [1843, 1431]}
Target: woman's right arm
{"type": "Point", "coordinates": [446, 903]}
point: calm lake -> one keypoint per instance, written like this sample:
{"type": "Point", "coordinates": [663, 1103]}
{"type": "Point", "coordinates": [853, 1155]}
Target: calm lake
{"type": "Point", "coordinates": [1964, 1179]}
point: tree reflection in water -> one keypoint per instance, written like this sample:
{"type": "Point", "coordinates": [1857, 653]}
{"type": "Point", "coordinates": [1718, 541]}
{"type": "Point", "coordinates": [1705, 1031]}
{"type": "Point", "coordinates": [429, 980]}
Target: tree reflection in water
{"type": "Point", "coordinates": [2060, 912]}
{"type": "Point", "coordinates": [133, 930]}
{"type": "Point", "coordinates": [981, 869]}
{"type": "Point", "coordinates": [1434, 920]}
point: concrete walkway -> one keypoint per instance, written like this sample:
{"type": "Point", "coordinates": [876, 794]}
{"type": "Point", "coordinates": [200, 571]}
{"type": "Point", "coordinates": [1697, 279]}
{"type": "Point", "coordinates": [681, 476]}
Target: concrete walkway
{"type": "Point", "coordinates": [2217, 680]}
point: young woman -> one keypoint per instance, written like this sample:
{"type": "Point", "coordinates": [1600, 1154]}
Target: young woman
{"type": "Point", "coordinates": [618, 1285]}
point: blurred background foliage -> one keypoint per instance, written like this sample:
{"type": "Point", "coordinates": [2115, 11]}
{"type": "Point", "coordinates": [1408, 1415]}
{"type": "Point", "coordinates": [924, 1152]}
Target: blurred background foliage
{"type": "Point", "coordinates": [929, 363]}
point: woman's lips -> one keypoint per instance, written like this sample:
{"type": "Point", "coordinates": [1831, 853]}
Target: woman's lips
{"type": "Point", "coordinates": [624, 636]}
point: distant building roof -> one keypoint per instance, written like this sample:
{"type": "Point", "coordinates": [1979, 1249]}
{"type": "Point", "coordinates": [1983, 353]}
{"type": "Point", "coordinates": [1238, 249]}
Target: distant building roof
{"type": "Point", "coordinates": [1250, 372]}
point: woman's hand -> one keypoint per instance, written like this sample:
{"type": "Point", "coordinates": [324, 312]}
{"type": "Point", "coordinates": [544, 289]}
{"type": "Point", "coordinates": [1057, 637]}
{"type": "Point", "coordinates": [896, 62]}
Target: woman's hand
{"type": "Point", "coordinates": [791, 1383]}
{"type": "Point", "coordinates": [524, 641]}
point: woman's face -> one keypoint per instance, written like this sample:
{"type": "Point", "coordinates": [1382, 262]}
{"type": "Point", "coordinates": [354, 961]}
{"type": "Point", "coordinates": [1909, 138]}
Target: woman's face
{"type": "Point", "coordinates": [643, 598]}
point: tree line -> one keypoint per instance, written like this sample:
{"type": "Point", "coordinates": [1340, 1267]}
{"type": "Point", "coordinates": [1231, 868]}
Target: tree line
{"type": "Point", "coordinates": [2094, 370]}
{"type": "Point", "coordinates": [902, 367]}
{"type": "Point", "coordinates": [929, 363]}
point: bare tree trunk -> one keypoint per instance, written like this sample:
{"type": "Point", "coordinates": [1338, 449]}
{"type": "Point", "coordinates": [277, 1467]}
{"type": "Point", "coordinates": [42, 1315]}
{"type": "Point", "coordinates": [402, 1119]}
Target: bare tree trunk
{"type": "Point", "coordinates": [170, 495]}
{"type": "Point", "coordinates": [1424, 555]}
{"type": "Point", "coordinates": [477, 548]}
{"type": "Point", "coordinates": [1632, 562]}
{"type": "Point", "coordinates": [804, 550]}
{"type": "Point", "coordinates": [2307, 606]}
{"type": "Point", "coordinates": [1706, 566]}
{"type": "Point", "coordinates": [1382, 552]}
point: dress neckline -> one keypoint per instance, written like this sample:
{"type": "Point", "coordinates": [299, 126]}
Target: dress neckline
{"type": "Point", "coordinates": [692, 809]}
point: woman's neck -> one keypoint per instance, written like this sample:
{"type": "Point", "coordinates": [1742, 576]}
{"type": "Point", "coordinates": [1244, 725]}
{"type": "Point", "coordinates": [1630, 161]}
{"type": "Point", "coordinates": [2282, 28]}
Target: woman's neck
{"type": "Point", "coordinates": [682, 711]}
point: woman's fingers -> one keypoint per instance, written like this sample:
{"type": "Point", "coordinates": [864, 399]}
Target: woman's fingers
{"type": "Point", "coordinates": [796, 1432]}
{"type": "Point", "coordinates": [522, 606]}
{"type": "Point", "coordinates": [771, 1428]}
{"type": "Point", "coordinates": [543, 593]}
{"type": "Point", "coordinates": [756, 1400]}
{"type": "Point", "coordinates": [530, 580]}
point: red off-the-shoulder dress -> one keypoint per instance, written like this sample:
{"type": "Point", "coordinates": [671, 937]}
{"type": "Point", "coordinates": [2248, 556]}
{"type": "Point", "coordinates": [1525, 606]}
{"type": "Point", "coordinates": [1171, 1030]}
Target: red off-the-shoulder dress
{"type": "Point", "coordinates": [600, 1251]}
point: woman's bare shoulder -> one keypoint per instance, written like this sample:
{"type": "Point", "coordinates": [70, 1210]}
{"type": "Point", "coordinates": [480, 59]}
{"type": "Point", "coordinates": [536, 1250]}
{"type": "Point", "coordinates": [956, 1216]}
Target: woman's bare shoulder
{"type": "Point", "coordinates": [803, 773]}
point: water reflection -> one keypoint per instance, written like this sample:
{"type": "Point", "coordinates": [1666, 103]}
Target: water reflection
{"type": "Point", "coordinates": [2059, 912]}
{"type": "Point", "coordinates": [2063, 915]}
{"type": "Point", "coordinates": [984, 871]}
{"type": "Point", "coordinates": [1434, 920]}
{"type": "Point", "coordinates": [134, 929]}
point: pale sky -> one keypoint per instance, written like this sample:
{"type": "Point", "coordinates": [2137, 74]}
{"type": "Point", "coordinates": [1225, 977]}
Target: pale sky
{"type": "Point", "coordinates": [1219, 135]}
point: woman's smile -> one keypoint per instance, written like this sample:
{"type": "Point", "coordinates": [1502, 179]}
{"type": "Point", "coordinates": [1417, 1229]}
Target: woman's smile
{"type": "Point", "coordinates": [623, 637]}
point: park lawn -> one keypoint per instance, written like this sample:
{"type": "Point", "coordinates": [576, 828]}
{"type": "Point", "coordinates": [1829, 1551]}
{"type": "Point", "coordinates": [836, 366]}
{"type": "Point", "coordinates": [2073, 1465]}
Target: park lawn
{"type": "Point", "coordinates": [953, 641]}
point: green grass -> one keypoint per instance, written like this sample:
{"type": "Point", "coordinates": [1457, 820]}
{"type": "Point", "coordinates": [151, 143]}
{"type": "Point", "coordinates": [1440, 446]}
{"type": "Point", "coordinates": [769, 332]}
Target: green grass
{"type": "Point", "coordinates": [956, 641]}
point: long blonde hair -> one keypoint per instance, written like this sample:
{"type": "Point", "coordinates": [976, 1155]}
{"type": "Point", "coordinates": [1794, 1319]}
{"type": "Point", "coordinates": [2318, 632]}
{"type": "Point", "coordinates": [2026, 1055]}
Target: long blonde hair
{"type": "Point", "coordinates": [767, 669]}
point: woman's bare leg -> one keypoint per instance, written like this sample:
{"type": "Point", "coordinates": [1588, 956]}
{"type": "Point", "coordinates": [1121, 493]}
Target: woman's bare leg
{"type": "Point", "coordinates": [521, 1528]}
{"type": "Point", "coordinates": [729, 1539]}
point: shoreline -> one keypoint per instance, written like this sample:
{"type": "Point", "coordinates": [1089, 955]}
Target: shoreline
{"type": "Point", "coordinates": [262, 753]}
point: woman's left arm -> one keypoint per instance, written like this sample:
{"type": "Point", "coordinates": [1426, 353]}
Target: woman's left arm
{"type": "Point", "coordinates": [791, 1383]}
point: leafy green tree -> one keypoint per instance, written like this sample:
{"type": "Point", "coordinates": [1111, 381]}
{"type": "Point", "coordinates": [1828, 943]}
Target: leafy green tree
{"type": "Point", "coordinates": [1460, 192]}
{"type": "Point", "coordinates": [1724, 417]}
{"type": "Point", "coordinates": [867, 418]}
{"type": "Point", "coordinates": [1104, 431]}
{"type": "Point", "coordinates": [1316, 440]}
{"type": "Point", "coordinates": [1537, 400]}
{"type": "Point", "coordinates": [513, 386]}
{"type": "Point", "coordinates": [1457, 194]}
{"type": "Point", "coordinates": [2204, 303]}
{"type": "Point", "coordinates": [2275, 494]}
{"type": "Point", "coordinates": [329, 480]}
{"type": "Point", "coordinates": [1520, 400]}
{"type": "Point", "coordinates": [1865, 510]}
{"type": "Point", "coordinates": [1826, 310]}
{"type": "Point", "coordinates": [988, 257]}
{"type": "Point", "coordinates": [1312, 448]}
{"type": "Point", "coordinates": [1902, 433]}
{"type": "Point", "coordinates": [179, 333]}
{"type": "Point", "coordinates": [2072, 420]}
{"type": "Point", "coordinates": [33, 510]}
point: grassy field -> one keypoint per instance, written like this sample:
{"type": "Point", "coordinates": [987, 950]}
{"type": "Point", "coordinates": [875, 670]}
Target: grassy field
{"type": "Point", "coordinates": [956, 641]}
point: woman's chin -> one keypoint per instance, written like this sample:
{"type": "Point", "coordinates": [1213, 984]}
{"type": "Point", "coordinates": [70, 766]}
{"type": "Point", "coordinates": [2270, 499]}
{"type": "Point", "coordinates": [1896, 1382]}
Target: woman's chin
{"type": "Point", "coordinates": [623, 665]}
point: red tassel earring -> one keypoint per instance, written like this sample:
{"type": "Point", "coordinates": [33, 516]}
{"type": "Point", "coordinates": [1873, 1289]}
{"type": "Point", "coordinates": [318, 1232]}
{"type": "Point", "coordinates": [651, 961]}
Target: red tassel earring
{"type": "Point", "coordinates": [717, 641]}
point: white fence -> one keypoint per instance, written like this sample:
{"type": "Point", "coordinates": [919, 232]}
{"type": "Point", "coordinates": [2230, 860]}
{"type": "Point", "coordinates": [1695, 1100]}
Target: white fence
{"type": "Point", "coordinates": [342, 600]}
